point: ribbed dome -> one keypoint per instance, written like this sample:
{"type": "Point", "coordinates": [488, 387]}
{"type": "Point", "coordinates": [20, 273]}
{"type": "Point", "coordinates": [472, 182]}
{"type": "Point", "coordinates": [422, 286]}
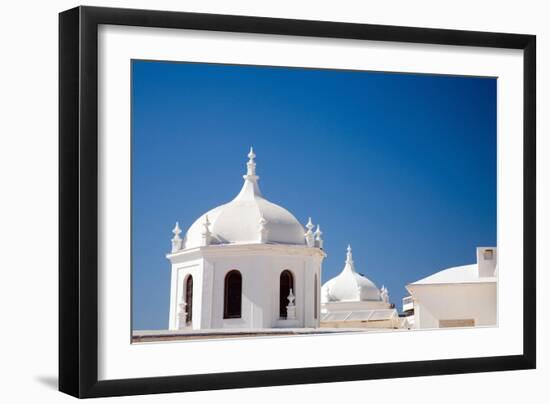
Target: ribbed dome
{"type": "Point", "coordinates": [248, 218]}
{"type": "Point", "coordinates": [349, 286]}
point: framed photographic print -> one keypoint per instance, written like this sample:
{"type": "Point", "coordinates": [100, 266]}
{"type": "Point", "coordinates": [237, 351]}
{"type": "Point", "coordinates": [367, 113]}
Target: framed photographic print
{"type": "Point", "coordinates": [250, 201]}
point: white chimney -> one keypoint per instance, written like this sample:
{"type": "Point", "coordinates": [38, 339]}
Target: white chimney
{"type": "Point", "coordinates": [486, 261]}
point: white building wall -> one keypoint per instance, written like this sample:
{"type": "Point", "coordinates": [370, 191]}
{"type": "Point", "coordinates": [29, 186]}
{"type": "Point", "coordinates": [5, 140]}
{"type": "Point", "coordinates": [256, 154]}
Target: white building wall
{"type": "Point", "coordinates": [173, 298]}
{"type": "Point", "coordinates": [206, 298]}
{"type": "Point", "coordinates": [314, 269]}
{"type": "Point", "coordinates": [423, 318]}
{"type": "Point", "coordinates": [459, 301]}
{"type": "Point", "coordinates": [260, 268]}
{"type": "Point", "coordinates": [180, 271]}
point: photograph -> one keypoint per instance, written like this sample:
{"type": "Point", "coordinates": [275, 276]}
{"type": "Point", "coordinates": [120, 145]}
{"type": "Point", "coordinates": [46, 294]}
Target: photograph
{"type": "Point", "coordinates": [273, 201]}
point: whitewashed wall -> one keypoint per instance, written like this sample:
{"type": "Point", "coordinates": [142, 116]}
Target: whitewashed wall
{"type": "Point", "coordinates": [477, 301]}
{"type": "Point", "coordinates": [260, 267]}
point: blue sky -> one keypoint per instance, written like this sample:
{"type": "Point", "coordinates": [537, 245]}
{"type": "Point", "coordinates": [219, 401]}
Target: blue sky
{"type": "Point", "coordinates": [401, 166]}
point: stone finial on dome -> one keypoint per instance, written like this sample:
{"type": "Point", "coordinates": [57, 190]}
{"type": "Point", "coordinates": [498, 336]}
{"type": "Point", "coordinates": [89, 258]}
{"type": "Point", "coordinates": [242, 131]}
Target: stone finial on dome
{"type": "Point", "coordinates": [350, 266]}
{"type": "Point", "coordinates": [251, 166]}
{"type": "Point", "coordinates": [318, 240]}
{"type": "Point", "coordinates": [206, 234]}
{"type": "Point", "coordinates": [349, 255]}
{"type": "Point", "coordinates": [310, 241]}
{"type": "Point", "coordinates": [384, 294]}
{"type": "Point", "coordinates": [263, 229]}
{"type": "Point", "coordinates": [176, 240]}
{"type": "Point", "coordinates": [250, 189]}
{"type": "Point", "coordinates": [177, 231]}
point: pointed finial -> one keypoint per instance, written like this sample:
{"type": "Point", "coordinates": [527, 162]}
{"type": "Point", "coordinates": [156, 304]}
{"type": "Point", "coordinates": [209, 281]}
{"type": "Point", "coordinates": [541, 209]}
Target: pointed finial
{"type": "Point", "coordinates": [263, 229]}
{"type": "Point", "coordinates": [291, 298]}
{"type": "Point", "coordinates": [318, 240]}
{"type": "Point", "coordinates": [318, 231]}
{"type": "Point", "coordinates": [206, 235]}
{"type": "Point", "coordinates": [176, 230]}
{"type": "Point", "coordinates": [384, 294]}
{"type": "Point", "coordinates": [177, 242]}
{"type": "Point", "coordinates": [310, 239]}
{"type": "Point", "coordinates": [206, 225]}
{"type": "Point", "coordinates": [291, 307]}
{"type": "Point", "coordinates": [349, 256]}
{"type": "Point", "coordinates": [251, 166]}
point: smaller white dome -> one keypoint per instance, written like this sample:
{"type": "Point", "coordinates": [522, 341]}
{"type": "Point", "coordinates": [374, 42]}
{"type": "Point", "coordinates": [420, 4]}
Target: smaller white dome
{"type": "Point", "coordinates": [349, 286]}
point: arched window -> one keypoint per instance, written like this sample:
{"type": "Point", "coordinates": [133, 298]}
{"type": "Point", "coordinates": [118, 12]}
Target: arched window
{"type": "Point", "coordinates": [232, 295]}
{"type": "Point", "coordinates": [286, 283]}
{"type": "Point", "coordinates": [189, 298]}
{"type": "Point", "coordinates": [315, 297]}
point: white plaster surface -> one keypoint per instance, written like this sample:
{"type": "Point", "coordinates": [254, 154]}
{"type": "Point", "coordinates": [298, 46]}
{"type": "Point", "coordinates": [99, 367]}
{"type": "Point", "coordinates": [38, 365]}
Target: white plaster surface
{"type": "Point", "coordinates": [465, 293]}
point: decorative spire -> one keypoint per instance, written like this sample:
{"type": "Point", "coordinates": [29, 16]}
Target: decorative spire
{"type": "Point", "coordinates": [291, 298]}
{"type": "Point", "coordinates": [176, 240]}
{"type": "Point", "coordinates": [177, 231]}
{"type": "Point", "coordinates": [251, 166]}
{"type": "Point", "coordinates": [309, 234]}
{"type": "Point", "coordinates": [250, 189]}
{"type": "Point", "coordinates": [349, 261]}
{"type": "Point", "coordinates": [318, 240]}
{"type": "Point", "coordinates": [349, 256]}
{"type": "Point", "coordinates": [206, 235]}
{"type": "Point", "coordinates": [251, 155]}
{"type": "Point", "coordinates": [384, 294]}
{"type": "Point", "coordinates": [263, 229]}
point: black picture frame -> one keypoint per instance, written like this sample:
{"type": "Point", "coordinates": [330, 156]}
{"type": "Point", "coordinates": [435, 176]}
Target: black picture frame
{"type": "Point", "coordinates": [78, 200]}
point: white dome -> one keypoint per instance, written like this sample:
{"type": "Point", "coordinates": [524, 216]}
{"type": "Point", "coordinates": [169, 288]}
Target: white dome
{"type": "Point", "coordinates": [349, 286]}
{"type": "Point", "coordinates": [248, 218]}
